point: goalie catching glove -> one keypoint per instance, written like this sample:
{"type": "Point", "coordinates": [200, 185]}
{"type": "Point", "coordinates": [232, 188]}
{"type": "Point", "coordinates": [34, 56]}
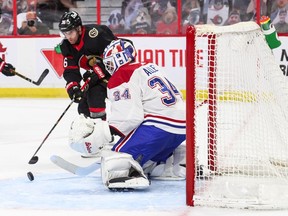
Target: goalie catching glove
{"type": "Point", "coordinates": [6, 68]}
{"type": "Point", "coordinates": [88, 136]}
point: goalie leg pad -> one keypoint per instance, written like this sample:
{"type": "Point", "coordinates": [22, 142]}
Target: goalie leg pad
{"type": "Point", "coordinates": [172, 169]}
{"type": "Point", "coordinates": [121, 171]}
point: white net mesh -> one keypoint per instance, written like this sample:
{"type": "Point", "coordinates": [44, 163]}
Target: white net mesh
{"type": "Point", "coordinates": [241, 121]}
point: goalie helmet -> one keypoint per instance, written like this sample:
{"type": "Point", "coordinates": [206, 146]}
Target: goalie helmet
{"type": "Point", "coordinates": [70, 20]}
{"type": "Point", "coordinates": [118, 53]}
{"type": "Point", "coordinates": [88, 136]}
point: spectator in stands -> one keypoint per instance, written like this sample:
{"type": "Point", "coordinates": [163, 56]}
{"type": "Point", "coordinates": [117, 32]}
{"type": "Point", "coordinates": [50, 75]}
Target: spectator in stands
{"type": "Point", "coordinates": [282, 26]}
{"type": "Point", "coordinates": [141, 24]}
{"type": "Point", "coordinates": [22, 6]}
{"type": "Point", "coordinates": [251, 9]}
{"type": "Point", "coordinates": [168, 24]}
{"type": "Point", "coordinates": [191, 12]}
{"type": "Point", "coordinates": [234, 17]}
{"type": "Point", "coordinates": [192, 19]}
{"type": "Point", "coordinates": [158, 8]}
{"type": "Point", "coordinates": [32, 25]}
{"type": "Point", "coordinates": [25, 5]}
{"type": "Point", "coordinates": [130, 9]}
{"type": "Point", "coordinates": [116, 22]}
{"type": "Point", "coordinates": [6, 6]}
{"type": "Point", "coordinates": [218, 12]}
{"type": "Point", "coordinates": [187, 6]}
{"type": "Point", "coordinates": [242, 6]}
{"type": "Point", "coordinates": [6, 26]}
{"type": "Point", "coordinates": [277, 6]}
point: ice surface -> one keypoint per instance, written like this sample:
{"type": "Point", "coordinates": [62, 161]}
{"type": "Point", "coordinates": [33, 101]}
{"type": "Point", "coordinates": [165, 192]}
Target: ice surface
{"type": "Point", "coordinates": [24, 123]}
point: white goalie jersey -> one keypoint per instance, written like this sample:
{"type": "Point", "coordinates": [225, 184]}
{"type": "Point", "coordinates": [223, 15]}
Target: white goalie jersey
{"type": "Point", "coordinates": [140, 93]}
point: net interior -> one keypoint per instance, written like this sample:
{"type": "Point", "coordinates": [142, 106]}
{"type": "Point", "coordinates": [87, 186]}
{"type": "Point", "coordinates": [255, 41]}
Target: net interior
{"type": "Point", "coordinates": [241, 120]}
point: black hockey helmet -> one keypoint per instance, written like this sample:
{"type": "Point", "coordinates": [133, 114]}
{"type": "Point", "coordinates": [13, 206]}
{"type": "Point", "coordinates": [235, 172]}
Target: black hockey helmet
{"type": "Point", "coordinates": [69, 21]}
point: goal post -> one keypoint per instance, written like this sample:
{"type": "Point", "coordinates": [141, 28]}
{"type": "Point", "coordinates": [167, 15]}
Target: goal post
{"type": "Point", "coordinates": [190, 107]}
{"type": "Point", "coordinates": [237, 119]}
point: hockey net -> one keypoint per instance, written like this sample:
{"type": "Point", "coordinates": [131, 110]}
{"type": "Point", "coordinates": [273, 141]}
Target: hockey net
{"type": "Point", "coordinates": [237, 107]}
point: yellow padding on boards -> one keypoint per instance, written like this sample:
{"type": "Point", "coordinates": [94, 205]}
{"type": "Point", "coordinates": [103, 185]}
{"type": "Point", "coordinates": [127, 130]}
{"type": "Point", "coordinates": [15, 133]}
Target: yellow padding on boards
{"type": "Point", "coordinates": [33, 93]}
{"type": "Point", "coordinates": [40, 93]}
{"type": "Point", "coordinates": [232, 96]}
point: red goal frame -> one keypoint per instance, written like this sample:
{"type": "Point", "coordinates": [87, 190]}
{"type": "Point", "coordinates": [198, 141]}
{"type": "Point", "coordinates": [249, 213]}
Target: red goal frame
{"type": "Point", "coordinates": [191, 98]}
{"type": "Point", "coordinates": [190, 114]}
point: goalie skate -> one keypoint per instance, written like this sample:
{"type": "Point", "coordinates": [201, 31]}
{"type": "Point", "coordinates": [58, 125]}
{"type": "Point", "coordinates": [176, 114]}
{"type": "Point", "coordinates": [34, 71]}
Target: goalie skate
{"type": "Point", "coordinates": [128, 183]}
{"type": "Point", "coordinates": [121, 189]}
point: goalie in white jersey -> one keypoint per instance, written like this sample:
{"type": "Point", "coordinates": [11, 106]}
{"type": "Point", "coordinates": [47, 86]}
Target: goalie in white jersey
{"type": "Point", "coordinates": [148, 113]}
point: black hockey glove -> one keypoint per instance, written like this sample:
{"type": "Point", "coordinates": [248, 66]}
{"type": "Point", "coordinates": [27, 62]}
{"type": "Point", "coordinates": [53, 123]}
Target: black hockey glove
{"type": "Point", "coordinates": [93, 77]}
{"type": "Point", "coordinates": [6, 68]}
{"type": "Point", "coordinates": [96, 65]}
{"type": "Point", "coordinates": [74, 91]}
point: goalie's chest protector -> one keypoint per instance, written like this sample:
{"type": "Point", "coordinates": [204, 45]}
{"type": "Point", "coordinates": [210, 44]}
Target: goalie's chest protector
{"type": "Point", "coordinates": [136, 95]}
{"type": "Point", "coordinates": [124, 93]}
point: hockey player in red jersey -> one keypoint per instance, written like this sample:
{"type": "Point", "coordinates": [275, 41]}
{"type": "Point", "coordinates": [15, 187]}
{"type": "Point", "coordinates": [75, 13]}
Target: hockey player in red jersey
{"type": "Point", "coordinates": [83, 47]}
{"type": "Point", "coordinates": [147, 112]}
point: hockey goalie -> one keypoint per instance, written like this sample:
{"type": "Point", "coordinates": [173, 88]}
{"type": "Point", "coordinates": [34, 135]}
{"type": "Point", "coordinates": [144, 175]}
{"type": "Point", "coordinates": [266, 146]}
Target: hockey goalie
{"type": "Point", "coordinates": [147, 112]}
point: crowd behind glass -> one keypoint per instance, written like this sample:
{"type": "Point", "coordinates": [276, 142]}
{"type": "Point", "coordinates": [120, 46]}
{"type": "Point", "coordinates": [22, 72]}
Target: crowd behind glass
{"type": "Point", "coordinates": [138, 16]}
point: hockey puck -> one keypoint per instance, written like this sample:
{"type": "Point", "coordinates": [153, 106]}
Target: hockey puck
{"type": "Point", "coordinates": [30, 176]}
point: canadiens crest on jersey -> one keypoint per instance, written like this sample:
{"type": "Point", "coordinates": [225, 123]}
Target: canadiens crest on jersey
{"type": "Point", "coordinates": [93, 33]}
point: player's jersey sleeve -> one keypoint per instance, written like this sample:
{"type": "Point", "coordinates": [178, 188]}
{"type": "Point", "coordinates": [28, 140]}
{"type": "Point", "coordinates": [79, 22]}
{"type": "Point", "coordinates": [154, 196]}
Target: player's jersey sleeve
{"type": "Point", "coordinates": [71, 69]}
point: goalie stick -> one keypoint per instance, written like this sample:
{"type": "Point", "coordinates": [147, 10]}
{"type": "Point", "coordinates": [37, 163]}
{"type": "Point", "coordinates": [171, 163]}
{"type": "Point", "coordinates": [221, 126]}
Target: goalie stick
{"type": "Point", "coordinates": [38, 82]}
{"type": "Point", "coordinates": [82, 171]}
{"type": "Point", "coordinates": [73, 168]}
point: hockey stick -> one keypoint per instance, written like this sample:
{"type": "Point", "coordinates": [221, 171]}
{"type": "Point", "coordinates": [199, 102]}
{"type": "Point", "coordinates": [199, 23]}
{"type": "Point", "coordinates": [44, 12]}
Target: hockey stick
{"type": "Point", "coordinates": [72, 168]}
{"type": "Point", "coordinates": [38, 82]}
{"type": "Point", "coordinates": [35, 158]}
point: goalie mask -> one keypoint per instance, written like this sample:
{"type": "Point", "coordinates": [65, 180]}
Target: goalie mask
{"type": "Point", "coordinates": [118, 53]}
{"type": "Point", "coordinates": [88, 136]}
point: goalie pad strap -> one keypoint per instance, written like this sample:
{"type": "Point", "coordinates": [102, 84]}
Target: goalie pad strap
{"type": "Point", "coordinates": [172, 169]}
{"type": "Point", "coordinates": [120, 170]}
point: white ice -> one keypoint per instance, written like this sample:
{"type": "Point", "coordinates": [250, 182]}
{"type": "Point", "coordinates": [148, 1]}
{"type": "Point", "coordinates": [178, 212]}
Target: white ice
{"type": "Point", "coordinates": [24, 123]}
